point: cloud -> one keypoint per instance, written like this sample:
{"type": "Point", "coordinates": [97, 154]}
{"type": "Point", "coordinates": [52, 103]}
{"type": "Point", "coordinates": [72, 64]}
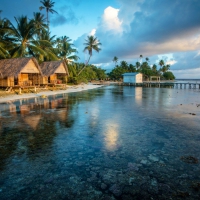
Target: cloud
{"type": "Point", "coordinates": [150, 28]}
{"type": "Point", "coordinates": [69, 17]}
{"type": "Point", "coordinates": [93, 31]}
{"type": "Point", "coordinates": [110, 21]}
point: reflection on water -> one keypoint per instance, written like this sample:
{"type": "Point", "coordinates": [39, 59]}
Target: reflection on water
{"type": "Point", "coordinates": [109, 143]}
{"type": "Point", "coordinates": [138, 95]}
{"type": "Point", "coordinates": [111, 135]}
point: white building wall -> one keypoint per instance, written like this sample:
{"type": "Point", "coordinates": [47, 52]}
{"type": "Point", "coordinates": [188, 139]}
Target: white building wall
{"type": "Point", "coordinates": [139, 78]}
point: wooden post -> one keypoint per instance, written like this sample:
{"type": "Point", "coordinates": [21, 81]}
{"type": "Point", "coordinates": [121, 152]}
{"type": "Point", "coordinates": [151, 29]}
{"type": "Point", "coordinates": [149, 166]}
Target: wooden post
{"type": "Point", "coordinates": [35, 89]}
{"type": "Point", "coordinates": [20, 90]}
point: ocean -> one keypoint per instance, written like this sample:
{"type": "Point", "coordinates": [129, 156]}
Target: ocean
{"type": "Point", "coordinates": [114, 142]}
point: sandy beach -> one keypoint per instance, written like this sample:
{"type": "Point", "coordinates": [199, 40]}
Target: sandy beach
{"type": "Point", "coordinates": [4, 97]}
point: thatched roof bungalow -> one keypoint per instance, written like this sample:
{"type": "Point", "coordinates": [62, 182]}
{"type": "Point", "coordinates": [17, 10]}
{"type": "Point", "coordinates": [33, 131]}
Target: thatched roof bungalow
{"type": "Point", "coordinates": [19, 71]}
{"type": "Point", "coordinates": [53, 70]}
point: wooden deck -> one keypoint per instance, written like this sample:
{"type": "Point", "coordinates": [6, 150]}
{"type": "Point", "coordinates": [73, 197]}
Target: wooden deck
{"type": "Point", "coordinates": [34, 88]}
{"type": "Point", "coordinates": [164, 85]}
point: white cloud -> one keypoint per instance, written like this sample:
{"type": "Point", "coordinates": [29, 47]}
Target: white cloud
{"type": "Point", "coordinates": [93, 31]}
{"type": "Point", "coordinates": [171, 62]}
{"type": "Point", "coordinates": [110, 20]}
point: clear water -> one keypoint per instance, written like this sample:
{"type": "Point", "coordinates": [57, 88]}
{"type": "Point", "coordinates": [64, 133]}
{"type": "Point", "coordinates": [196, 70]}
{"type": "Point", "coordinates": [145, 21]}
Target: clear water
{"type": "Point", "coordinates": [112, 142]}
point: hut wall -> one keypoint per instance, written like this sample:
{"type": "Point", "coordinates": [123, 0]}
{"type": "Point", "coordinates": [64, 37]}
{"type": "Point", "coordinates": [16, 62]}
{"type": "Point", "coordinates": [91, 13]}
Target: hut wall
{"type": "Point", "coordinates": [43, 79]}
{"type": "Point", "coordinates": [36, 79]}
{"type": "Point", "coordinates": [53, 78]}
{"type": "Point", "coordinates": [22, 79]}
{"type": "Point", "coordinates": [139, 78]}
{"type": "Point", "coordinates": [7, 82]}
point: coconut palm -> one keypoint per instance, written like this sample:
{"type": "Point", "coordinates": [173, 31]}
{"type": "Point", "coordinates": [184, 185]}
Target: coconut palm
{"type": "Point", "coordinates": [154, 68]}
{"type": "Point", "coordinates": [141, 56]}
{"type": "Point", "coordinates": [46, 43]}
{"type": "Point", "coordinates": [48, 5]}
{"type": "Point", "coordinates": [23, 38]}
{"type": "Point", "coordinates": [65, 49]}
{"type": "Point", "coordinates": [137, 64]}
{"type": "Point", "coordinates": [115, 60]}
{"type": "Point", "coordinates": [5, 43]}
{"type": "Point", "coordinates": [0, 13]}
{"type": "Point", "coordinates": [92, 43]}
{"type": "Point", "coordinates": [161, 63]}
{"type": "Point", "coordinates": [39, 22]}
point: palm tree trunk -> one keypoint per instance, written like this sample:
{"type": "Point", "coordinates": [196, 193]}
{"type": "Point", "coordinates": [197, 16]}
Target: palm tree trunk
{"type": "Point", "coordinates": [48, 20]}
{"type": "Point", "coordinates": [84, 66]}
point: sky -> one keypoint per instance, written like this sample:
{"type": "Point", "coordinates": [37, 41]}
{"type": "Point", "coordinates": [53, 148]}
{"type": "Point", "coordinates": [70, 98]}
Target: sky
{"type": "Point", "coordinates": [157, 29]}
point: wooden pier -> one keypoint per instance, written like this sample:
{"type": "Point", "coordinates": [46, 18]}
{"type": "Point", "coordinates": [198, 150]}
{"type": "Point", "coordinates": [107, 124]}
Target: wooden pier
{"type": "Point", "coordinates": [164, 85]}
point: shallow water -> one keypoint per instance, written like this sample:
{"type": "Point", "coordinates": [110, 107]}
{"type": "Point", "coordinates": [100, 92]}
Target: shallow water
{"type": "Point", "coordinates": [112, 142]}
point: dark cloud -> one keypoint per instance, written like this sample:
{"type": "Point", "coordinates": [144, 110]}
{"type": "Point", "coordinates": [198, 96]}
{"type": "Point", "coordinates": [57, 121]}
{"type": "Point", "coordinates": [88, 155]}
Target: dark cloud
{"type": "Point", "coordinates": [159, 21]}
{"type": "Point", "coordinates": [68, 16]}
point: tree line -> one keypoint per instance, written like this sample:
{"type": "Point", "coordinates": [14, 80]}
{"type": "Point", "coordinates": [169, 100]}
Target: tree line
{"type": "Point", "coordinates": [141, 67]}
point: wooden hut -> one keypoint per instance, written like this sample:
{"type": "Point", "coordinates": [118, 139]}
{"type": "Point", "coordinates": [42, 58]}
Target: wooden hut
{"type": "Point", "coordinates": [132, 77]}
{"type": "Point", "coordinates": [53, 71]}
{"type": "Point", "coordinates": [19, 72]}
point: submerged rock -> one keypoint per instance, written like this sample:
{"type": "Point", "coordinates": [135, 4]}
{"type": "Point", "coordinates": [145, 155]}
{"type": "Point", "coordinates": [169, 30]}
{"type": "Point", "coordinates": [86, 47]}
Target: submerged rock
{"type": "Point", "coordinates": [116, 190]}
{"type": "Point", "coordinates": [153, 158]}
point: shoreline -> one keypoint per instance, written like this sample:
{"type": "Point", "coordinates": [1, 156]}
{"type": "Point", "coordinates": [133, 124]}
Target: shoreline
{"type": "Point", "coordinates": [70, 89]}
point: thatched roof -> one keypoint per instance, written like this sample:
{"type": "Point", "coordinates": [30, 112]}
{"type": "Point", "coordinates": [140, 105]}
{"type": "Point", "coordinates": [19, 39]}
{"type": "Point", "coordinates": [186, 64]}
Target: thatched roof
{"type": "Point", "coordinates": [49, 68]}
{"type": "Point", "coordinates": [14, 66]}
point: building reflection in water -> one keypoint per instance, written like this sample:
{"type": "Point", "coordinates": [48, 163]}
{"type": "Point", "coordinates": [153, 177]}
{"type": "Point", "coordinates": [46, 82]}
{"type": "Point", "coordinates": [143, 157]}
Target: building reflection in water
{"type": "Point", "coordinates": [111, 135]}
{"type": "Point", "coordinates": [46, 103]}
{"type": "Point", "coordinates": [24, 109]}
{"type": "Point", "coordinates": [12, 108]}
{"type": "Point", "coordinates": [33, 121]}
{"type": "Point", "coordinates": [138, 95]}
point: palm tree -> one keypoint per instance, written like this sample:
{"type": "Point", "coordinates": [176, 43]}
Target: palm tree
{"type": "Point", "coordinates": [141, 56]}
{"type": "Point", "coordinates": [115, 60]}
{"type": "Point", "coordinates": [161, 63]}
{"type": "Point", "coordinates": [5, 43]}
{"type": "Point", "coordinates": [137, 65]}
{"type": "Point", "coordinates": [147, 59]}
{"type": "Point", "coordinates": [65, 49]}
{"type": "Point", "coordinates": [124, 65]}
{"type": "Point", "coordinates": [154, 68]}
{"type": "Point", "coordinates": [92, 43]}
{"type": "Point", "coordinates": [48, 5]}
{"type": "Point", "coordinates": [0, 13]}
{"type": "Point", "coordinates": [23, 38]}
{"type": "Point", "coordinates": [39, 22]}
{"type": "Point", "coordinates": [46, 43]}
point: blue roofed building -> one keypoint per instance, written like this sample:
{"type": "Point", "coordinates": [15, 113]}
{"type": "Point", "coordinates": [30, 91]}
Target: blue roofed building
{"type": "Point", "coordinates": [132, 77]}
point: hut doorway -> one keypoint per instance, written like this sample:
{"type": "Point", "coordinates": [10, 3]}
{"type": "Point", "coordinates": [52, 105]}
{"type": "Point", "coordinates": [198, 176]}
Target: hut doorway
{"type": "Point", "coordinates": [16, 80]}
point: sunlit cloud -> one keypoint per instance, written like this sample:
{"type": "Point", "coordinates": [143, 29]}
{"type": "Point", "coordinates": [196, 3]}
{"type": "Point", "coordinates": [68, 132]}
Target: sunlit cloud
{"type": "Point", "coordinates": [110, 20]}
{"type": "Point", "coordinates": [93, 31]}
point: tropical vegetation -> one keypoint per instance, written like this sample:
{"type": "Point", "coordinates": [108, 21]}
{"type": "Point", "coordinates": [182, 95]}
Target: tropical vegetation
{"type": "Point", "coordinates": [141, 67]}
{"type": "Point", "coordinates": [32, 37]}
